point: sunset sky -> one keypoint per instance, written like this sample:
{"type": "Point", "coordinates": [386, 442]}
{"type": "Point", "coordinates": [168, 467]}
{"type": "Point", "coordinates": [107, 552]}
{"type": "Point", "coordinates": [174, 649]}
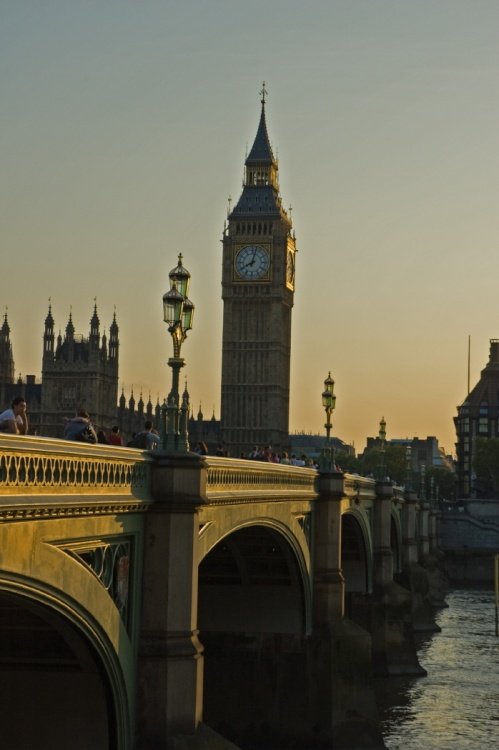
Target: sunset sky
{"type": "Point", "coordinates": [124, 127]}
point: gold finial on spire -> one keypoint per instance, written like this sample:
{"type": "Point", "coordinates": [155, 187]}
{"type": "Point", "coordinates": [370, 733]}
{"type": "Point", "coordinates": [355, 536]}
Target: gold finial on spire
{"type": "Point", "coordinates": [263, 94]}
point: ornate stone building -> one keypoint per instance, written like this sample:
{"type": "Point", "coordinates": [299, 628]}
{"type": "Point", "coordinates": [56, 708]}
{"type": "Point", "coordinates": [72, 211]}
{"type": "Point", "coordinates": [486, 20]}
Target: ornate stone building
{"type": "Point", "coordinates": [6, 356]}
{"type": "Point", "coordinates": [10, 387]}
{"type": "Point", "coordinates": [82, 372]}
{"type": "Point", "coordinates": [77, 372]}
{"type": "Point", "coordinates": [477, 417]}
{"type": "Point", "coordinates": [258, 284]}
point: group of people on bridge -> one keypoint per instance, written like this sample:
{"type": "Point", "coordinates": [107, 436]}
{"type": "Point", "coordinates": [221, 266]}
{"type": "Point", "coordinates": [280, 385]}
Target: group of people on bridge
{"type": "Point", "coordinates": [264, 453]}
{"type": "Point", "coordinates": [80, 428]}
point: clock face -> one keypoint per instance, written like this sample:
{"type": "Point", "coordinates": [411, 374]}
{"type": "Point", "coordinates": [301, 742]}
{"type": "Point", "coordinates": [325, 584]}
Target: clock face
{"type": "Point", "coordinates": [252, 262]}
{"type": "Point", "coordinates": [290, 268]}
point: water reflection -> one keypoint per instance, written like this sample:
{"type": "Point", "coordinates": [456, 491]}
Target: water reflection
{"type": "Point", "coordinates": [456, 707]}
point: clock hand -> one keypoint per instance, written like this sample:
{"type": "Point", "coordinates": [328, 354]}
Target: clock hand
{"type": "Point", "coordinates": [252, 261]}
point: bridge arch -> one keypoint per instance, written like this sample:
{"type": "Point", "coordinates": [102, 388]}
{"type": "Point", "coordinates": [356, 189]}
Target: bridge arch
{"type": "Point", "coordinates": [356, 552]}
{"type": "Point", "coordinates": [254, 611]}
{"type": "Point", "coordinates": [59, 669]}
{"type": "Point", "coordinates": [260, 563]}
{"type": "Point", "coordinates": [356, 563]}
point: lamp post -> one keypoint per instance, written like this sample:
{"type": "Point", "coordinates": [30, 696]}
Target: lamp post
{"type": "Point", "coordinates": [328, 402]}
{"type": "Point", "coordinates": [408, 467]}
{"type": "Point", "coordinates": [422, 483]}
{"type": "Point", "coordinates": [382, 439]}
{"type": "Point", "coordinates": [178, 313]}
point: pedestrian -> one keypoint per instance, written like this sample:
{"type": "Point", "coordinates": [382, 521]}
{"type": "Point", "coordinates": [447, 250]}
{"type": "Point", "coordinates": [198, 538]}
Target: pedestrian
{"type": "Point", "coordinates": [102, 438]}
{"type": "Point", "coordinates": [15, 419]}
{"type": "Point", "coordinates": [80, 428]}
{"type": "Point", "coordinates": [114, 437]}
{"type": "Point", "coordinates": [147, 439]}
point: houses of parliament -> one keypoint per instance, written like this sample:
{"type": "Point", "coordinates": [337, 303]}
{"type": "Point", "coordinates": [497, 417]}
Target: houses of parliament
{"type": "Point", "coordinates": [81, 372]}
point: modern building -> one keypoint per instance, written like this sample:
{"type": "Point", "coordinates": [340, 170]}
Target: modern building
{"type": "Point", "coordinates": [424, 452]}
{"type": "Point", "coordinates": [258, 285]}
{"type": "Point", "coordinates": [477, 417]}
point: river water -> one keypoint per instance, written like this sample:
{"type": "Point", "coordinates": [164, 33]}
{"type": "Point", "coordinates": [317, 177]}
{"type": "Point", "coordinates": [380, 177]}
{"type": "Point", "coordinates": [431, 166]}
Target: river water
{"type": "Point", "coordinates": [456, 707]}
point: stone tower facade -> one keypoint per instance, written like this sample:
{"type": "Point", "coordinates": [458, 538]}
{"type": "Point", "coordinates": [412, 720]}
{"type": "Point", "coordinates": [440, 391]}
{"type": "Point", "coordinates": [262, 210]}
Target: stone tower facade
{"type": "Point", "coordinates": [78, 372]}
{"type": "Point", "coordinates": [6, 356]}
{"type": "Point", "coordinates": [258, 284]}
{"type": "Point", "coordinates": [477, 417]}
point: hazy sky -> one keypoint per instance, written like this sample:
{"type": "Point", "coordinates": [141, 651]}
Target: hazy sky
{"type": "Point", "coordinates": [124, 127]}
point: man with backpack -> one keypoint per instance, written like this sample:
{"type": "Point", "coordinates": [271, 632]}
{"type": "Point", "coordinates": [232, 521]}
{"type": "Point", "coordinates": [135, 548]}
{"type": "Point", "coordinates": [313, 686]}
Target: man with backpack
{"type": "Point", "coordinates": [146, 440]}
{"type": "Point", "coordinates": [80, 428]}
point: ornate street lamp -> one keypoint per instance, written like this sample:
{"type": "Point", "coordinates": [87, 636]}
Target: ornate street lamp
{"type": "Point", "coordinates": [178, 312]}
{"type": "Point", "coordinates": [328, 402]}
{"type": "Point", "coordinates": [382, 439]}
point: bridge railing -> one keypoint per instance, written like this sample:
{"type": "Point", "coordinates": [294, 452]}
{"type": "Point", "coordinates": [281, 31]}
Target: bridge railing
{"type": "Point", "coordinates": [232, 479]}
{"type": "Point", "coordinates": [359, 488]}
{"type": "Point", "coordinates": [34, 469]}
{"type": "Point", "coordinates": [37, 471]}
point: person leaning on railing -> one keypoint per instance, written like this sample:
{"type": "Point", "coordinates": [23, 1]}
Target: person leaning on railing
{"type": "Point", "coordinates": [15, 419]}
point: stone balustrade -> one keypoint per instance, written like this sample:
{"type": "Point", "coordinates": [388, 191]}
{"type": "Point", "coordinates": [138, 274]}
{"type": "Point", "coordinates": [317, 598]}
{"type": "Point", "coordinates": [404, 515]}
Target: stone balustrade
{"type": "Point", "coordinates": [43, 477]}
{"type": "Point", "coordinates": [231, 479]}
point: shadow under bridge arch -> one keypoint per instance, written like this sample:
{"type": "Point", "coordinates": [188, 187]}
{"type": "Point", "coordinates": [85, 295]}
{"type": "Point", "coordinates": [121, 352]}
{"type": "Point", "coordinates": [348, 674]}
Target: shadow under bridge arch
{"type": "Point", "coordinates": [357, 564]}
{"type": "Point", "coordinates": [56, 690]}
{"type": "Point", "coordinates": [254, 602]}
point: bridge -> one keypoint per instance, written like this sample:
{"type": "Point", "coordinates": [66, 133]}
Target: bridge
{"type": "Point", "coordinates": [150, 600]}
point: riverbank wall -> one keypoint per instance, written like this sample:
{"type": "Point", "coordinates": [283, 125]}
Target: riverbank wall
{"type": "Point", "coordinates": [468, 536]}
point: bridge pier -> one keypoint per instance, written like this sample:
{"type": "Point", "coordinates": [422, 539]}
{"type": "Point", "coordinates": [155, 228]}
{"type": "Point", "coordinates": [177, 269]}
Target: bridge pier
{"type": "Point", "coordinates": [170, 660]}
{"type": "Point", "coordinates": [343, 706]}
{"type": "Point", "coordinates": [433, 564]}
{"type": "Point", "coordinates": [422, 570]}
{"type": "Point", "coordinates": [394, 648]}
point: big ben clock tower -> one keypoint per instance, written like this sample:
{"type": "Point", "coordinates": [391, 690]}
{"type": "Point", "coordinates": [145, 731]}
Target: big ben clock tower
{"type": "Point", "coordinates": [258, 282]}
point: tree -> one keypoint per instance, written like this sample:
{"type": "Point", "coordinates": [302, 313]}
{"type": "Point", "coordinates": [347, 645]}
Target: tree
{"type": "Point", "coordinates": [347, 462]}
{"type": "Point", "coordinates": [394, 462]}
{"type": "Point", "coordinates": [444, 480]}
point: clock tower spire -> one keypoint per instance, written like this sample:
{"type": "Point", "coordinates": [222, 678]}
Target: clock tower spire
{"type": "Point", "coordinates": [257, 290]}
